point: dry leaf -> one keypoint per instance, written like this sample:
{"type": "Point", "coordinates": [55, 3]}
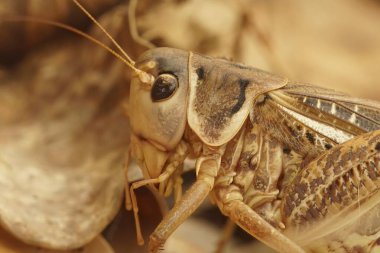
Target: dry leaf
{"type": "Point", "coordinates": [63, 138]}
{"type": "Point", "coordinates": [9, 244]}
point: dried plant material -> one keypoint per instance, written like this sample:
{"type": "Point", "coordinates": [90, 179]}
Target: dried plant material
{"type": "Point", "coordinates": [203, 26]}
{"type": "Point", "coordinates": [333, 44]}
{"type": "Point", "coordinates": [63, 139]}
{"type": "Point", "coordinates": [9, 244]}
{"type": "Point", "coordinates": [328, 44]}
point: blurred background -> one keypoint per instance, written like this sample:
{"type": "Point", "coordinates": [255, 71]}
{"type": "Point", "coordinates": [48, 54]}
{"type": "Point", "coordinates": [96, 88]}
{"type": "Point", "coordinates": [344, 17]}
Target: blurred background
{"type": "Point", "coordinates": [64, 133]}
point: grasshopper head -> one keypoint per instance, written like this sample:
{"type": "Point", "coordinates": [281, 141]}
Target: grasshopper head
{"type": "Point", "coordinates": [157, 110]}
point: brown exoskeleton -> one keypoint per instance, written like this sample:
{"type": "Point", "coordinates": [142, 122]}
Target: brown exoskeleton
{"type": "Point", "coordinates": [296, 166]}
{"type": "Point", "coordinates": [279, 159]}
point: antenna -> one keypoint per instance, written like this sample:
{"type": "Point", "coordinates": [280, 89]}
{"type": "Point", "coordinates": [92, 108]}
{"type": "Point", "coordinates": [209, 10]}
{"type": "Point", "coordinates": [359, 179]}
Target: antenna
{"type": "Point", "coordinates": [104, 31]}
{"type": "Point", "coordinates": [68, 28]}
{"type": "Point", "coordinates": [143, 76]}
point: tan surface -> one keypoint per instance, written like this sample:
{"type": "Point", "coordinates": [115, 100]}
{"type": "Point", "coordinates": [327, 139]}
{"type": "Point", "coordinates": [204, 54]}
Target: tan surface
{"type": "Point", "coordinates": [77, 88]}
{"type": "Point", "coordinates": [9, 244]}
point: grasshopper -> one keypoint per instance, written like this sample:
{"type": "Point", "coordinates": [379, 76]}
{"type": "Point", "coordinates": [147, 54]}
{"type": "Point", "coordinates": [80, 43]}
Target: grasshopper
{"type": "Point", "coordinates": [294, 165]}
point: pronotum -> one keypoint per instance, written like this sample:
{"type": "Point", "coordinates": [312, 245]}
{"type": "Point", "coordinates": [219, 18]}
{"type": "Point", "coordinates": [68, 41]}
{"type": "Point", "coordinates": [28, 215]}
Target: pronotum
{"type": "Point", "coordinates": [294, 165]}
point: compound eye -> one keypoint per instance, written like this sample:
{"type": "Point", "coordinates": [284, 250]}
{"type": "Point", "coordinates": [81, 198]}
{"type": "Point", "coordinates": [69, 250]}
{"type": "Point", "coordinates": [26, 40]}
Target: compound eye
{"type": "Point", "coordinates": [163, 87]}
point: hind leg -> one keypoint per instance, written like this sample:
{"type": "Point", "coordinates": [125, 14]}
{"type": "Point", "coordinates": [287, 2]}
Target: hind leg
{"type": "Point", "coordinates": [254, 224]}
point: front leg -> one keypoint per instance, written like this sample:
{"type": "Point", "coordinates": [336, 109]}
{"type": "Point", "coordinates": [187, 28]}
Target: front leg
{"type": "Point", "coordinates": [207, 170]}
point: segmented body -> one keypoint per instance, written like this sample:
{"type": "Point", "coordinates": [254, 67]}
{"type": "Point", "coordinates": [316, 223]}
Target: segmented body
{"type": "Point", "coordinates": [271, 178]}
{"type": "Point", "coordinates": [294, 165]}
{"type": "Point", "coordinates": [276, 164]}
